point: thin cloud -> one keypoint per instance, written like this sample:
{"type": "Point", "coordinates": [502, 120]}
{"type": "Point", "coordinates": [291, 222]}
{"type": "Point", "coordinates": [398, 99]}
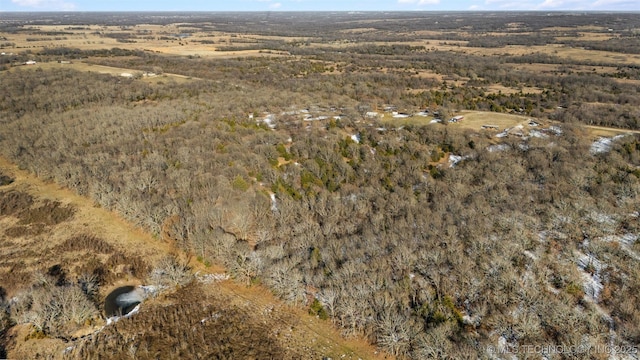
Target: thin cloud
{"type": "Point", "coordinates": [46, 4]}
{"type": "Point", "coordinates": [275, 5]}
{"type": "Point", "coordinates": [524, 5]}
{"type": "Point", "coordinates": [419, 2]}
{"type": "Point", "coordinates": [616, 4]}
{"type": "Point", "coordinates": [561, 4]}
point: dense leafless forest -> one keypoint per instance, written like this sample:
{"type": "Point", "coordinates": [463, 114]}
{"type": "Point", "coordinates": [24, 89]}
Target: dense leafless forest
{"type": "Point", "coordinates": [287, 167]}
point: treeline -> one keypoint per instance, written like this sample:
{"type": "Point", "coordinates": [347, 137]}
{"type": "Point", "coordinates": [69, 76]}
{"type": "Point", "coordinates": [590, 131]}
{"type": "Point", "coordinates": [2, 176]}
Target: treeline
{"type": "Point", "coordinates": [488, 41]}
{"type": "Point", "coordinates": [421, 258]}
{"type": "Point", "coordinates": [330, 26]}
{"type": "Point", "coordinates": [365, 75]}
{"type": "Point", "coordinates": [623, 45]}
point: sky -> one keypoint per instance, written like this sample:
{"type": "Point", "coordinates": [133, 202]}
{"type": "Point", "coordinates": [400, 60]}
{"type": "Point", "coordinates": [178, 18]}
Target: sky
{"type": "Point", "coordinates": [320, 5]}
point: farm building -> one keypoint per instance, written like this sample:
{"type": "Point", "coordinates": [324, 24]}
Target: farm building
{"type": "Point", "coordinates": [456, 119]}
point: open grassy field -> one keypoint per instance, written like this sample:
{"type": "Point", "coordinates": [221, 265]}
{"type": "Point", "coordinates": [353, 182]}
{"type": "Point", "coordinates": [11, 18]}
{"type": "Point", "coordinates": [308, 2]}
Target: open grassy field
{"type": "Point", "coordinates": [476, 120]}
{"type": "Point", "coordinates": [181, 39]}
{"type": "Point", "coordinates": [171, 39]}
{"type": "Point", "coordinates": [115, 71]}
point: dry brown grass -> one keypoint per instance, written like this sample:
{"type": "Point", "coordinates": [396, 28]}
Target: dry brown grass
{"type": "Point", "coordinates": [89, 39]}
{"type": "Point", "coordinates": [102, 69]}
{"type": "Point", "coordinates": [475, 119]}
{"type": "Point", "coordinates": [497, 88]}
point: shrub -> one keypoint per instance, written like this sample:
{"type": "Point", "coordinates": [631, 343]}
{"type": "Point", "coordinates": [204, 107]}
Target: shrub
{"type": "Point", "coordinates": [5, 180]}
{"type": "Point", "coordinates": [171, 272]}
{"type": "Point", "coordinates": [318, 310]}
{"type": "Point", "coordinates": [240, 184]}
{"type": "Point", "coordinates": [53, 308]}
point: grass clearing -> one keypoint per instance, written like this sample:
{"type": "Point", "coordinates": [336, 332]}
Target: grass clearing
{"type": "Point", "coordinates": [473, 120]}
{"type": "Point", "coordinates": [476, 119]}
{"type": "Point", "coordinates": [102, 69]}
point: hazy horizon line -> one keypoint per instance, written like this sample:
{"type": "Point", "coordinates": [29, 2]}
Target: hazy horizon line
{"type": "Point", "coordinates": [320, 11]}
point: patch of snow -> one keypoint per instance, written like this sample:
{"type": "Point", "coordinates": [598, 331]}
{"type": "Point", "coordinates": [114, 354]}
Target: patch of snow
{"type": "Point", "coordinates": [127, 75]}
{"type": "Point", "coordinates": [150, 290]}
{"type": "Point", "coordinates": [603, 145]}
{"type": "Point", "coordinates": [68, 349]}
{"type": "Point", "coordinates": [274, 203]}
{"type": "Point", "coordinates": [212, 317]}
{"type": "Point", "coordinates": [471, 320]}
{"type": "Point", "coordinates": [212, 278]}
{"type": "Point", "coordinates": [114, 319]}
{"type": "Point", "coordinates": [269, 120]}
{"type": "Point", "coordinates": [538, 134]}
{"type": "Point", "coordinates": [530, 255]}
{"type": "Point", "coordinates": [371, 114]}
{"type": "Point", "coordinates": [317, 118]}
{"type": "Point", "coordinates": [498, 147]}
{"type": "Point", "coordinates": [626, 242]}
{"type": "Point", "coordinates": [585, 261]}
{"type": "Point", "coordinates": [503, 134]}
{"type": "Point", "coordinates": [356, 138]}
{"type": "Point", "coordinates": [556, 130]}
{"type": "Point", "coordinates": [563, 220]}
{"type": "Point", "coordinates": [422, 113]}
{"type": "Point", "coordinates": [523, 146]}
{"type": "Point", "coordinates": [553, 290]}
{"type": "Point", "coordinates": [590, 271]}
{"type": "Point", "coordinates": [603, 219]}
{"type": "Point", "coordinates": [544, 235]}
{"type": "Point", "coordinates": [401, 116]}
{"type": "Point", "coordinates": [134, 311]}
{"type": "Point", "coordinates": [454, 159]}
{"type": "Point", "coordinates": [435, 121]}
{"type": "Point", "coordinates": [629, 239]}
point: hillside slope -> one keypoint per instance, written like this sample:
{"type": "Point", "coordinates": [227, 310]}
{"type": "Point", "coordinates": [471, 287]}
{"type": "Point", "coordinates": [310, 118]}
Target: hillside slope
{"type": "Point", "coordinates": [48, 232]}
